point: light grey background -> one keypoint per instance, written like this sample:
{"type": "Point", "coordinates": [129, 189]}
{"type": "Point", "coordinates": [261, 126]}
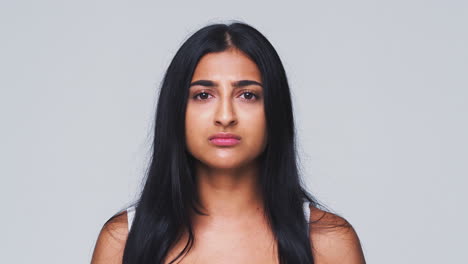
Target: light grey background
{"type": "Point", "coordinates": [380, 98]}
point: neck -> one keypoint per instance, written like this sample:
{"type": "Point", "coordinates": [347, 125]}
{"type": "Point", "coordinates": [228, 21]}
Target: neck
{"type": "Point", "coordinates": [229, 193]}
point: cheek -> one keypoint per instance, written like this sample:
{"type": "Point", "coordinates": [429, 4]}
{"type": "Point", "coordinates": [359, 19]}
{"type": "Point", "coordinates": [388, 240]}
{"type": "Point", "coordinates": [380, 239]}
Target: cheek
{"type": "Point", "coordinates": [256, 125]}
{"type": "Point", "coordinates": [195, 123]}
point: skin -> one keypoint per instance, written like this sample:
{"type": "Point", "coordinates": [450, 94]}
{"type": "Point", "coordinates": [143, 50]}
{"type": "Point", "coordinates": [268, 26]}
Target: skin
{"type": "Point", "coordinates": [227, 177]}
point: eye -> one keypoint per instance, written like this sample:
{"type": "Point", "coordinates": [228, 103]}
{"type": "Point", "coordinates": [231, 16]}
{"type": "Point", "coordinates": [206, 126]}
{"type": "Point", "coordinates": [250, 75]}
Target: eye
{"type": "Point", "coordinates": [249, 95]}
{"type": "Point", "coordinates": [202, 95]}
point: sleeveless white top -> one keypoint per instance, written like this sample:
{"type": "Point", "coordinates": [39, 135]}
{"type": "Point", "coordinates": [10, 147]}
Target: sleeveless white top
{"type": "Point", "coordinates": [131, 214]}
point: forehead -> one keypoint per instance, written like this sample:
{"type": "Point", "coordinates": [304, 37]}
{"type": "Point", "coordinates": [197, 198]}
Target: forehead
{"type": "Point", "coordinates": [231, 64]}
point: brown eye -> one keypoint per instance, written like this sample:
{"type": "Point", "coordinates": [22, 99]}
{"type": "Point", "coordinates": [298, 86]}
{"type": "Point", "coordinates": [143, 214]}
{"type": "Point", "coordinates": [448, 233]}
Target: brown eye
{"type": "Point", "coordinates": [202, 95]}
{"type": "Point", "coordinates": [248, 96]}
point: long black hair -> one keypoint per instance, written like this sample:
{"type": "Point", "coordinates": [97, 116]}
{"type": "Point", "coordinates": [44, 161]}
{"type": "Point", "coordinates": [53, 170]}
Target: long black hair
{"type": "Point", "coordinates": [169, 190]}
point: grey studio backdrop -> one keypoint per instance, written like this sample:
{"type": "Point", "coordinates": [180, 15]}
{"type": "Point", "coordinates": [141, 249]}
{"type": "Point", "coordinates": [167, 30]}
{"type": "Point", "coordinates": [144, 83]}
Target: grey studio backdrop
{"type": "Point", "coordinates": [380, 100]}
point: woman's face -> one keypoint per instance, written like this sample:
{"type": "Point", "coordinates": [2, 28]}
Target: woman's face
{"type": "Point", "coordinates": [225, 96]}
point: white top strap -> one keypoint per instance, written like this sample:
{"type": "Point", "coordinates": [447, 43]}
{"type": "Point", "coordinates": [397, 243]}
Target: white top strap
{"type": "Point", "coordinates": [130, 216]}
{"type": "Point", "coordinates": [307, 213]}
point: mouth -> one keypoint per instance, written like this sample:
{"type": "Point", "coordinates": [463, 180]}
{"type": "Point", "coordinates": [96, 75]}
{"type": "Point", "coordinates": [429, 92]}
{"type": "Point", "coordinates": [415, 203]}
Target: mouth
{"type": "Point", "coordinates": [225, 139]}
{"type": "Point", "coordinates": [219, 141]}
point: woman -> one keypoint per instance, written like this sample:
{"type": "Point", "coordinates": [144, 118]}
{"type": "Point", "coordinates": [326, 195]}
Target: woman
{"type": "Point", "coordinates": [223, 184]}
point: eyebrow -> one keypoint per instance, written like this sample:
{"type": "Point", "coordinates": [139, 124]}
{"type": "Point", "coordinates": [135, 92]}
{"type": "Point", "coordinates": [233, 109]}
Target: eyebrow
{"type": "Point", "coordinates": [236, 84]}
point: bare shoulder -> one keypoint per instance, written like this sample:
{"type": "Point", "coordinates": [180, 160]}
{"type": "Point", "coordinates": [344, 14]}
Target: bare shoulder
{"type": "Point", "coordinates": [111, 240]}
{"type": "Point", "coordinates": [333, 239]}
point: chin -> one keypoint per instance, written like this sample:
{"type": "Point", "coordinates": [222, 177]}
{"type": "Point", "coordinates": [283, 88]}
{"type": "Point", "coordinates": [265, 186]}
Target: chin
{"type": "Point", "coordinates": [219, 164]}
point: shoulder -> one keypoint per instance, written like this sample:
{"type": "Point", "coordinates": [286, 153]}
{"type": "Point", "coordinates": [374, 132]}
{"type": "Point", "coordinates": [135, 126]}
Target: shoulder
{"type": "Point", "coordinates": [111, 240]}
{"type": "Point", "coordinates": [333, 239]}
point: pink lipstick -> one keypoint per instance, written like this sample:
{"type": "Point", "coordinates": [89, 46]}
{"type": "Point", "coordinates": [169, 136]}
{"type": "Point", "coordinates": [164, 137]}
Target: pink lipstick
{"type": "Point", "coordinates": [225, 139]}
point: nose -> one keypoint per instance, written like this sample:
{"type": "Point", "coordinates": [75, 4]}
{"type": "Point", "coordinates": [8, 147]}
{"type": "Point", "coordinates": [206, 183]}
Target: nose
{"type": "Point", "coordinates": [225, 113]}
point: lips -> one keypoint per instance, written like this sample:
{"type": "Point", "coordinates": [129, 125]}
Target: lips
{"type": "Point", "coordinates": [224, 135]}
{"type": "Point", "coordinates": [225, 139]}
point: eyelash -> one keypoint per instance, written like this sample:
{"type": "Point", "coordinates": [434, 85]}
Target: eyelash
{"type": "Point", "coordinates": [244, 92]}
